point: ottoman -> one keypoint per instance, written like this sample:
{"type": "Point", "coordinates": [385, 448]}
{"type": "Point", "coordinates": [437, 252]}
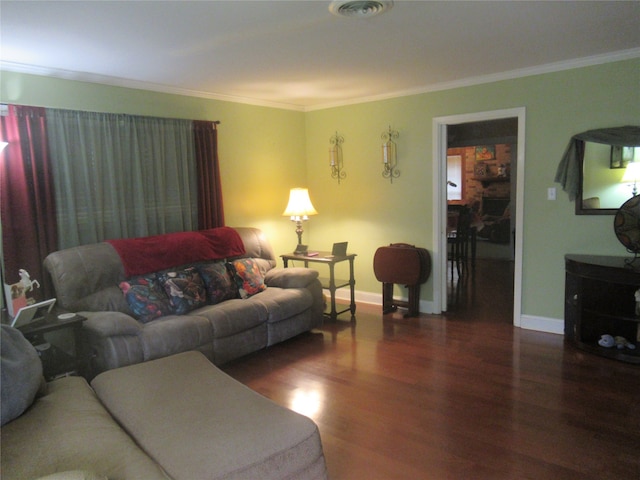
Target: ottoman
{"type": "Point", "coordinates": [196, 422]}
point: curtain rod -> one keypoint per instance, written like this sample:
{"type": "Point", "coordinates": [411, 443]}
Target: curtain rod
{"type": "Point", "coordinates": [4, 110]}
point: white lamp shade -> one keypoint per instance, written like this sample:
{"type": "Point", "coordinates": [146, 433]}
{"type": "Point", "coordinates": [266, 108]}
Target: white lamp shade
{"type": "Point", "coordinates": [299, 204]}
{"type": "Point", "coordinates": [632, 173]}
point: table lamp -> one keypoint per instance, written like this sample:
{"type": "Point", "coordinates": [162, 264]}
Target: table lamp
{"type": "Point", "coordinates": [299, 208]}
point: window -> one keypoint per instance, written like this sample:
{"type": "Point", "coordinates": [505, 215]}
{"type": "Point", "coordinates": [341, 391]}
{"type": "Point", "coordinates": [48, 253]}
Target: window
{"type": "Point", "coordinates": [121, 176]}
{"type": "Point", "coordinates": [454, 177]}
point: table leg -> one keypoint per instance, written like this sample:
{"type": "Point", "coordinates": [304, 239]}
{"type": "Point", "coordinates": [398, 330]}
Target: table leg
{"type": "Point", "coordinates": [352, 285]}
{"type": "Point", "coordinates": [474, 238]}
{"type": "Point", "coordinates": [332, 291]}
{"type": "Point", "coordinates": [387, 297]}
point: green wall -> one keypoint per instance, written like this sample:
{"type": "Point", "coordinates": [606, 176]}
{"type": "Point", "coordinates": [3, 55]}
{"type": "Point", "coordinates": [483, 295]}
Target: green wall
{"type": "Point", "coordinates": [265, 151]}
{"type": "Point", "coordinates": [369, 211]}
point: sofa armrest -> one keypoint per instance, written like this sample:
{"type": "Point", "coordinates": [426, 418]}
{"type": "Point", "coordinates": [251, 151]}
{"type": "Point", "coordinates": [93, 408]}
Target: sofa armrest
{"type": "Point", "coordinates": [109, 324]}
{"type": "Point", "coordinates": [109, 340]}
{"type": "Point", "coordinates": [296, 277]}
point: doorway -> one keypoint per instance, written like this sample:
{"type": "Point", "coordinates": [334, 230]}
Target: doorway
{"type": "Point", "coordinates": [442, 128]}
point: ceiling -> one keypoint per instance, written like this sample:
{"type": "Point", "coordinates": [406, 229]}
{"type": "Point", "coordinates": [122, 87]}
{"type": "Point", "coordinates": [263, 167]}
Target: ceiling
{"type": "Point", "coordinates": [298, 55]}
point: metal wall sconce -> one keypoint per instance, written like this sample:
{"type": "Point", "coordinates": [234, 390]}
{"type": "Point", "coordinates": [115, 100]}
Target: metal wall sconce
{"type": "Point", "coordinates": [335, 157]}
{"type": "Point", "coordinates": [389, 154]}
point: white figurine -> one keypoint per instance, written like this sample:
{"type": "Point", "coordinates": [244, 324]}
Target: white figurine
{"type": "Point", "coordinates": [26, 281]}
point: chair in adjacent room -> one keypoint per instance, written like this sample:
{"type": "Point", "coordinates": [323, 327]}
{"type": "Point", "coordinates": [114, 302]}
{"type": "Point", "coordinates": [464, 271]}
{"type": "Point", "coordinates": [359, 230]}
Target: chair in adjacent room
{"type": "Point", "coordinates": [459, 238]}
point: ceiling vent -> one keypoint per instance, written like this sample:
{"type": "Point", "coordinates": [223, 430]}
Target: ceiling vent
{"type": "Point", "coordinates": [359, 8]}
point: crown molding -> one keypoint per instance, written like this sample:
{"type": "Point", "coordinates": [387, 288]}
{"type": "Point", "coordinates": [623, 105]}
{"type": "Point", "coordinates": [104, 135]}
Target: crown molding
{"type": "Point", "coordinates": [496, 77]}
{"type": "Point", "coordinates": [466, 82]}
{"type": "Point", "coordinates": [138, 85]}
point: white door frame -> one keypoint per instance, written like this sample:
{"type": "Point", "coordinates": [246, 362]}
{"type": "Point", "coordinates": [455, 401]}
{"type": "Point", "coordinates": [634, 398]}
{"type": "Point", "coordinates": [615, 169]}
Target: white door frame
{"type": "Point", "coordinates": [440, 203]}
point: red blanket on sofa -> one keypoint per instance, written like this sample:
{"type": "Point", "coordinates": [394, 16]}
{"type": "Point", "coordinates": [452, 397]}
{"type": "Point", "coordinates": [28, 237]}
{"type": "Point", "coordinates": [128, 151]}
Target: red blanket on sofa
{"type": "Point", "coordinates": [151, 254]}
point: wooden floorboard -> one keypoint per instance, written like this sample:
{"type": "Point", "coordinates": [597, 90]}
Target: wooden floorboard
{"type": "Point", "coordinates": [463, 395]}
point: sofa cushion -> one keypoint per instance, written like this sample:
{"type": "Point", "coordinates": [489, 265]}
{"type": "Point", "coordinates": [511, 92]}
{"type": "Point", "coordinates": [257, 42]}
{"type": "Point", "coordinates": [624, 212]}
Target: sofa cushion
{"type": "Point", "coordinates": [233, 316]}
{"type": "Point", "coordinates": [283, 303]}
{"type": "Point", "coordinates": [87, 271]}
{"type": "Point", "coordinates": [175, 334]}
{"type": "Point", "coordinates": [108, 299]}
{"type": "Point", "coordinates": [146, 297]}
{"type": "Point", "coordinates": [21, 372]}
{"type": "Point", "coordinates": [249, 278]}
{"type": "Point", "coordinates": [69, 429]}
{"type": "Point", "coordinates": [185, 289]}
{"type": "Point", "coordinates": [216, 428]}
{"type": "Point", "coordinates": [218, 281]}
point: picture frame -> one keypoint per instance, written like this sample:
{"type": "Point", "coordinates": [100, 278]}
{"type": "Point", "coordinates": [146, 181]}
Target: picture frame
{"type": "Point", "coordinates": [15, 298]}
{"type": "Point", "coordinates": [485, 152]}
{"type": "Point", "coordinates": [480, 169]}
{"type": "Point", "coordinates": [621, 156]}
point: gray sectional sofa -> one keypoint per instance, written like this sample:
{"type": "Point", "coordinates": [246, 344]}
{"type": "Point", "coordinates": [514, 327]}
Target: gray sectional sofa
{"type": "Point", "coordinates": [178, 417]}
{"type": "Point", "coordinates": [89, 280]}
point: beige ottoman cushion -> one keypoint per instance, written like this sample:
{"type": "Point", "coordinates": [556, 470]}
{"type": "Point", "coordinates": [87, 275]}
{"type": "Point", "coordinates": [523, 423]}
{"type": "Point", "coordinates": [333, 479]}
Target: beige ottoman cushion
{"type": "Point", "coordinates": [199, 423]}
{"type": "Point", "coordinates": [68, 429]}
{"type": "Point", "coordinates": [74, 475]}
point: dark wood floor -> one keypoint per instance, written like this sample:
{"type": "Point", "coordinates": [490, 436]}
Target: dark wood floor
{"type": "Point", "coordinates": [459, 396]}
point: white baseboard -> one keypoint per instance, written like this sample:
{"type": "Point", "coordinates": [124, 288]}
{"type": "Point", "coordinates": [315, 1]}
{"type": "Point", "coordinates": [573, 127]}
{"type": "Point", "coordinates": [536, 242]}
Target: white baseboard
{"type": "Point", "coordinates": [542, 324]}
{"type": "Point", "coordinates": [528, 322]}
{"type": "Point", "coordinates": [376, 299]}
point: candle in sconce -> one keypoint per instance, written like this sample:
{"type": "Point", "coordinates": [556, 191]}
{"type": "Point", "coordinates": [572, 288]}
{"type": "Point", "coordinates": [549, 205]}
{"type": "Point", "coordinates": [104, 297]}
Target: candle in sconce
{"type": "Point", "coordinates": [332, 156]}
{"type": "Point", "coordinates": [385, 153]}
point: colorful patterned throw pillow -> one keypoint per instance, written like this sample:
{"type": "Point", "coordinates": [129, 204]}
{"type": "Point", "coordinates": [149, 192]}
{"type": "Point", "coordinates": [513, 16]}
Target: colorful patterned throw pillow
{"type": "Point", "coordinates": [218, 282]}
{"type": "Point", "coordinates": [146, 297]}
{"type": "Point", "coordinates": [184, 288]}
{"type": "Point", "coordinates": [248, 277]}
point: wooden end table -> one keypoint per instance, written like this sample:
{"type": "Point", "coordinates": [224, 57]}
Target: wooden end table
{"type": "Point", "coordinates": [57, 342]}
{"type": "Point", "coordinates": [331, 283]}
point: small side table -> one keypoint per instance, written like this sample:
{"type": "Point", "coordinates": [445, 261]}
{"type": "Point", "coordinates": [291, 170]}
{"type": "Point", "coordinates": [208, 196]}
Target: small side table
{"type": "Point", "coordinates": [57, 342]}
{"type": "Point", "coordinates": [331, 283]}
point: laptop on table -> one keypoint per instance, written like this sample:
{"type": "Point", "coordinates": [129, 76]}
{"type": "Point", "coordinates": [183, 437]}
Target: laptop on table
{"type": "Point", "coordinates": [31, 313]}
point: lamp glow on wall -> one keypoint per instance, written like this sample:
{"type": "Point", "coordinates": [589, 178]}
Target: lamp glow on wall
{"type": "Point", "coordinates": [335, 157]}
{"type": "Point", "coordinates": [389, 154]}
{"type": "Point", "coordinates": [632, 176]}
{"type": "Point", "coordinates": [299, 209]}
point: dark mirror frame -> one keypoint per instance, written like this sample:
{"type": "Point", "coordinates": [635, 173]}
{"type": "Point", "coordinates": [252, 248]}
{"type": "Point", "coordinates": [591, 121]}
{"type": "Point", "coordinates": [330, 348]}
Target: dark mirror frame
{"type": "Point", "coordinates": [616, 136]}
{"type": "Point", "coordinates": [580, 210]}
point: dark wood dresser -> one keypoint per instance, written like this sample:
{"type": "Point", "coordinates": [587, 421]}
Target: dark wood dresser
{"type": "Point", "coordinates": [600, 298]}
